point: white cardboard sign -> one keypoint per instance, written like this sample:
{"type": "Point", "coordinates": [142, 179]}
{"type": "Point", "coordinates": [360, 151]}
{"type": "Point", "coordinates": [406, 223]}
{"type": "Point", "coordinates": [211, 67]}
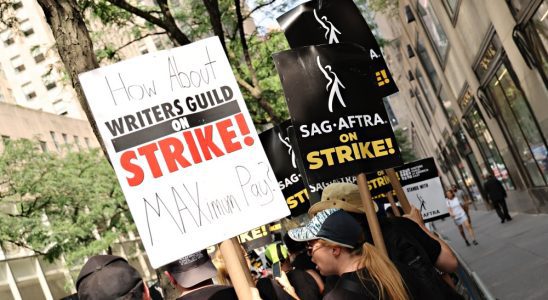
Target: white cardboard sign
{"type": "Point", "coordinates": [184, 148]}
{"type": "Point", "coordinates": [428, 197]}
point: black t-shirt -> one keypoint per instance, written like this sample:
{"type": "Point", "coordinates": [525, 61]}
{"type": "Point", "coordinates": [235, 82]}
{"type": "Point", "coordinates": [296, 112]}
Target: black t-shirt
{"type": "Point", "coordinates": [269, 289]}
{"type": "Point", "coordinates": [350, 287]}
{"type": "Point", "coordinates": [212, 292]}
{"type": "Point", "coordinates": [408, 228]}
{"type": "Point", "coordinates": [304, 284]}
{"type": "Point", "coordinates": [303, 262]}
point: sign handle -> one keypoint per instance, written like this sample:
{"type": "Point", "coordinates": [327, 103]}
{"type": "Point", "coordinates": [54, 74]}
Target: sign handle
{"type": "Point", "coordinates": [396, 185]}
{"type": "Point", "coordinates": [370, 214]}
{"type": "Point", "coordinates": [395, 209]}
{"type": "Point", "coordinates": [237, 268]}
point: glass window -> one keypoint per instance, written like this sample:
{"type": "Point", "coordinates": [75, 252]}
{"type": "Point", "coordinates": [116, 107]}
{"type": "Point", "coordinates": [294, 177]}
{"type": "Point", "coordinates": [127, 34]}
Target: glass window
{"type": "Point", "coordinates": [44, 146]}
{"type": "Point", "coordinates": [451, 6]}
{"type": "Point", "coordinates": [77, 142]}
{"type": "Point", "coordinates": [28, 91]}
{"type": "Point", "coordinates": [54, 140]}
{"type": "Point", "coordinates": [17, 64]}
{"type": "Point", "coordinates": [7, 37]}
{"type": "Point", "coordinates": [428, 66]}
{"type": "Point", "coordinates": [37, 54]}
{"type": "Point", "coordinates": [49, 81]}
{"type": "Point", "coordinates": [537, 33]}
{"type": "Point", "coordinates": [5, 291]}
{"type": "Point", "coordinates": [422, 115]}
{"type": "Point", "coordinates": [521, 124]}
{"type": "Point", "coordinates": [433, 28]}
{"type": "Point", "coordinates": [488, 148]}
{"type": "Point", "coordinates": [426, 90]}
{"type": "Point", "coordinates": [26, 27]}
{"type": "Point", "coordinates": [86, 140]}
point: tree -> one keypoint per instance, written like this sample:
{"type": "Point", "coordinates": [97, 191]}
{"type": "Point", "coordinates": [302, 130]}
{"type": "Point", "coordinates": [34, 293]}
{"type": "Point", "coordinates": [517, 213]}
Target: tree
{"type": "Point", "coordinates": [406, 149]}
{"type": "Point", "coordinates": [56, 205]}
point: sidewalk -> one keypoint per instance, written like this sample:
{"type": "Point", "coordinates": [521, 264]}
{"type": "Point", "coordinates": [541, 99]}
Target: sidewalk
{"type": "Point", "coordinates": [511, 258]}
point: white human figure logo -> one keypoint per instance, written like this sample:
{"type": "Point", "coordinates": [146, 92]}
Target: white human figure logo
{"type": "Point", "coordinates": [333, 84]}
{"type": "Point", "coordinates": [330, 30]}
{"type": "Point", "coordinates": [289, 149]}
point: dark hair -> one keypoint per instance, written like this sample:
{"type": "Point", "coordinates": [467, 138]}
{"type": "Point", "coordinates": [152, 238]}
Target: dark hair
{"type": "Point", "coordinates": [292, 245]}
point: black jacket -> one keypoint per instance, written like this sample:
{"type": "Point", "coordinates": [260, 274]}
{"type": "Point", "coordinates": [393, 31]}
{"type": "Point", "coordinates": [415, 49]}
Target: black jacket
{"type": "Point", "coordinates": [494, 189]}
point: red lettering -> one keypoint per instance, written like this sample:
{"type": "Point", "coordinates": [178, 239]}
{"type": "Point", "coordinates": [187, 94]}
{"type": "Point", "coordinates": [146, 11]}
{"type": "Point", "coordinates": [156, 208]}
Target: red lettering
{"type": "Point", "coordinates": [148, 152]}
{"type": "Point", "coordinates": [138, 174]}
{"type": "Point", "coordinates": [191, 145]}
{"type": "Point", "coordinates": [228, 135]}
{"type": "Point", "coordinates": [172, 150]}
{"type": "Point", "coordinates": [205, 140]}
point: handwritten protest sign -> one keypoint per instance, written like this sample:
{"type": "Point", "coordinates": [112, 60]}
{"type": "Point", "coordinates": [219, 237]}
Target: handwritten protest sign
{"type": "Point", "coordinates": [423, 188]}
{"type": "Point", "coordinates": [341, 129]}
{"type": "Point", "coordinates": [330, 22]}
{"type": "Point", "coordinates": [184, 149]}
{"type": "Point", "coordinates": [283, 159]}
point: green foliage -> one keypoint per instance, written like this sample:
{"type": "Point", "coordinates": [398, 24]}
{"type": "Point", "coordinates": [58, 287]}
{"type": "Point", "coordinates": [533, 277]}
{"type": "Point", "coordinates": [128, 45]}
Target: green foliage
{"type": "Point", "coordinates": [406, 149]}
{"type": "Point", "coordinates": [56, 205]}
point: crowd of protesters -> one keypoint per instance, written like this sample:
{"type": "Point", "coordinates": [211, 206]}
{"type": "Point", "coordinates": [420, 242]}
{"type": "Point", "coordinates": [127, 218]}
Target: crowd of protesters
{"type": "Point", "coordinates": [330, 257]}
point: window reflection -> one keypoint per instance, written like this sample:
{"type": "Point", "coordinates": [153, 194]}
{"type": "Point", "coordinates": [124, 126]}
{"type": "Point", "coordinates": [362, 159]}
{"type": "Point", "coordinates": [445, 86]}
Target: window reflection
{"type": "Point", "coordinates": [521, 125]}
{"type": "Point", "coordinates": [433, 28]}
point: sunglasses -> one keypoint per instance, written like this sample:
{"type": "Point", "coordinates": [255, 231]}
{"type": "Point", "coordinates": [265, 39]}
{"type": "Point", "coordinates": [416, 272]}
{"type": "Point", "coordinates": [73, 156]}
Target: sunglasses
{"type": "Point", "coordinates": [311, 249]}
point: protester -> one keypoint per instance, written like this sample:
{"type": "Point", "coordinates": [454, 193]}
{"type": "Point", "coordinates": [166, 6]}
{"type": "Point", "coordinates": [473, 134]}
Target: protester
{"type": "Point", "coordinates": [337, 246]}
{"type": "Point", "coordinates": [496, 195]}
{"type": "Point", "coordinates": [464, 201]}
{"type": "Point", "coordinates": [459, 216]}
{"type": "Point", "coordinates": [390, 212]}
{"type": "Point", "coordinates": [410, 245]}
{"type": "Point", "coordinates": [192, 277]}
{"type": "Point", "coordinates": [308, 284]}
{"type": "Point", "coordinates": [106, 277]}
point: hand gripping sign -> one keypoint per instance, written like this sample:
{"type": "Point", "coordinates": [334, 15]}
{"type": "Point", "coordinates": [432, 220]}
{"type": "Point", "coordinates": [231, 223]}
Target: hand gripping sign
{"type": "Point", "coordinates": [283, 159]}
{"type": "Point", "coordinates": [184, 149]}
{"type": "Point", "coordinates": [341, 128]}
{"type": "Point", "coordinates": [337, 21]}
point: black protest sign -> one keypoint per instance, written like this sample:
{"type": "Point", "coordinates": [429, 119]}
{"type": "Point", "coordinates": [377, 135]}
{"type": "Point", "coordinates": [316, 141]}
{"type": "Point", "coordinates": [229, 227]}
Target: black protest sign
{"type": "Point", "coordinates": [283, 160]}
{"type": "Point", "coordinates": [329, 22]}
{"type": "Point", "coordinates": [341, 129]}
{"type": "Point", "coordinates": [423, 188]}
{"type": "Point", "coordinates": [256, 238]}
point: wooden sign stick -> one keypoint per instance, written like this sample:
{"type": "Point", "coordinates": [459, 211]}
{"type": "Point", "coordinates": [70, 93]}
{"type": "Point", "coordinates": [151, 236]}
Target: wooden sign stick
{"type": "Point", "coordinates": [393, 205]}
{"type": "Point", "coordinates": [237, 268]}
{"type": "Point", "coordinates": [370, 214]}
{"type": "Point", "coordinates": [396, 185]}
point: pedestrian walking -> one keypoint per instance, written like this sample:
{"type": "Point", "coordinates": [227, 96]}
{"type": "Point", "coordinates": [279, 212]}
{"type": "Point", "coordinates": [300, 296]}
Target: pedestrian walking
{"type": "Point", "coordinates": [496, 196]}
{"type": "Point", "coordinates": [464, 201]}
{"type": "Point", "coordinates": [459, 216]}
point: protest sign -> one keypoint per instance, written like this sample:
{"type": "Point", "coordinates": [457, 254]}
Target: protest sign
{"type": "Point", "coordinates": [255, 238]}
{"type": "Point", "coordinates": [338, 21]}
{"type": "Point", "coordinates": [184, 149]}
{"type": "Point", "coordinates": [423, 188]}
{"type": "Point", "coordinates": [283, 160]}
{"type": "Point", "coordinates": [340, 127]}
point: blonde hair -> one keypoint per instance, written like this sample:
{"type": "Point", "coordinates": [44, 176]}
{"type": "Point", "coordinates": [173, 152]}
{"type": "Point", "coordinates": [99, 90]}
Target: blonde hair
{"type": "Point", "coordinates": [384, 273]}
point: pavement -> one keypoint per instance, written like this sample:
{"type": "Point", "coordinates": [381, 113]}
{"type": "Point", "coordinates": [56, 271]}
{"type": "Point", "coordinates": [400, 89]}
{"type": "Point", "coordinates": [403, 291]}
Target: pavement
{"type": "Point", "coordinates": [511, 258]}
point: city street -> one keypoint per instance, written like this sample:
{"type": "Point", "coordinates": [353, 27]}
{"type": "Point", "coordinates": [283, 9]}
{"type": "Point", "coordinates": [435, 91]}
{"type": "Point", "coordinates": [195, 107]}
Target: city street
{"type": "Point", "coordinates": [511, 258]}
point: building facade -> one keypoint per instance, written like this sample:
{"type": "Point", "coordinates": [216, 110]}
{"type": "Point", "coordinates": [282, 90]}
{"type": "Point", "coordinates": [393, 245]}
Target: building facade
{"type": "Point", "coordinates": [23, 274]}
{"type": "Point", "coordinates": [473, 84]}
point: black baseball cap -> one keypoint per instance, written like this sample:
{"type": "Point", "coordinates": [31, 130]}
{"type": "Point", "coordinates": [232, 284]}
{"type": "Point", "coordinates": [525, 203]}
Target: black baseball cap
{"type": "Point", "coordinates": [333, 225]}
{"type": "Point", "coordinates": [192, 269]}
{"type": "Point", "coordinates": [106, 277]}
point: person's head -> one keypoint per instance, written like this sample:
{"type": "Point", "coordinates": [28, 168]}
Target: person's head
{"type": "Point", "coordinates": [293, 246]}
{"type": "Point", "coordinates": [191, 271]}
{"type": "Point", "coordinates": [336, 245]}
{"type": "Point", "coordinates": [390, 212]}
{"type": "Point", "coordinates": [342, 195]}
{"type": "Point", "coordinates": [449, 194]}
{"type": "Point", "coordinates": [110, 277]}
{"type": "Point", "coordinates": [454, 188]}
